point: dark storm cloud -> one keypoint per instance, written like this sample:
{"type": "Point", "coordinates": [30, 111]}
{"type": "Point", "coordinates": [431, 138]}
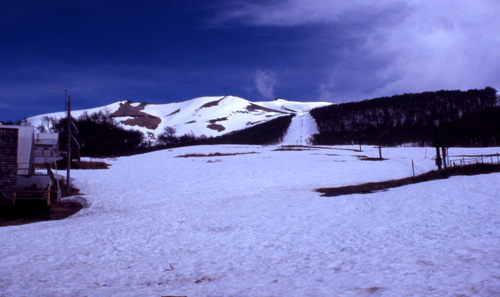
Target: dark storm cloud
{"type": "Point", "coordinates": [399, 46]}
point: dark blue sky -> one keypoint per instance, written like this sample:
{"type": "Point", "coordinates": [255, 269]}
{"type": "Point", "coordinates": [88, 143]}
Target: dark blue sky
{"type": "Point", "coordinates": [164, 51]}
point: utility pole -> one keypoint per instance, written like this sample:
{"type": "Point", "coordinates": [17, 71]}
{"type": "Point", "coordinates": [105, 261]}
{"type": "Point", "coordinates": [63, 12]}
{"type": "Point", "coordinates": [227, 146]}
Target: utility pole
{"type": "Point", "coordinates": [437, 142]}
{"type": "Point", "coordinates": [68, 156]}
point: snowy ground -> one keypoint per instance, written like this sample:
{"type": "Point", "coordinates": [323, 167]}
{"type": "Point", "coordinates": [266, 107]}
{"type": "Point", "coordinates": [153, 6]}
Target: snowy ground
{"type": "Point", "coordinates": [250, 225]}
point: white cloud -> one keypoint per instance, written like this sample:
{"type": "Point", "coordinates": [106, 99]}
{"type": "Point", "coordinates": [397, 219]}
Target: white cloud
{"type": "Point", "coordinates": [265, 81]}
{"type": "Point", "coordinates": [404, 46]}
{"type": "Point", "coordinates": [442, 45]}
{"type": "Point", "coordinates": [299, 12]}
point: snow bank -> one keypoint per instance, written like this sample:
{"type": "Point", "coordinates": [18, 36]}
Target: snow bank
{"type": "Point", "coordinates": [250, 225]}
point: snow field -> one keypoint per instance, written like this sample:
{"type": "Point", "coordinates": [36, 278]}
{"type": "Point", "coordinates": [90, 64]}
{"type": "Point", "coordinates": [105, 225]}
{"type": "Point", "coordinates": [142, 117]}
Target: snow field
{"type": "Point", "coordinates": [250, 225]}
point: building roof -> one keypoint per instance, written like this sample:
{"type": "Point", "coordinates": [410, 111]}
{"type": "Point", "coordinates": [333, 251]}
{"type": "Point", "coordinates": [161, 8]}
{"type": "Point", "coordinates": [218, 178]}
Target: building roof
{"type": "Point", "coordinates": [46, 139]}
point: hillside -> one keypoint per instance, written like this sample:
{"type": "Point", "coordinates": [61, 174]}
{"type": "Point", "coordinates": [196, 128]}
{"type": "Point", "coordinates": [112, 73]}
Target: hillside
{"type": "Point", "coordinates": [411, 119]}
{"type": "Point", "coordinates": [208, 116]}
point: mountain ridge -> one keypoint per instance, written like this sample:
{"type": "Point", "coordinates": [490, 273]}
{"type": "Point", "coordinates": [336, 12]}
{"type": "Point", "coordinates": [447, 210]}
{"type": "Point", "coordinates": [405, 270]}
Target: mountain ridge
{"type": "Point", "coordinates": [209, 116]}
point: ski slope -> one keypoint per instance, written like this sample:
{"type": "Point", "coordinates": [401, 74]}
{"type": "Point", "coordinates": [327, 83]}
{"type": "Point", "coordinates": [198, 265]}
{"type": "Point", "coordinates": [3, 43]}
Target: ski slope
{"type": "Point", "coordinates": [251, 225]}
{"type": "Point", "coordinates": [301, 130]}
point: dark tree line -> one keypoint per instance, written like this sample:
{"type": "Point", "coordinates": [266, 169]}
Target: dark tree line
{"type": "Point", "coordinates": [270, 132]}
{"type": "Point", "coordinates": [464, 118]}
{"type": "Point", "coordinates": [100, 135]}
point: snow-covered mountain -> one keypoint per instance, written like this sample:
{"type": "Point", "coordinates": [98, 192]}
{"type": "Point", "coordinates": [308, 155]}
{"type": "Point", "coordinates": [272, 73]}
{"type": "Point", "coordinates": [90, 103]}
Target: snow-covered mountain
{"type": "Point", "coordinates": [209, 116]}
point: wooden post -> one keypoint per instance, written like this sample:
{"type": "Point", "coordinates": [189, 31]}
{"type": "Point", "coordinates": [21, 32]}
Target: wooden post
{"type": "Point", "coordinates": [14, 198]}
{"type": "Point", "coordinates": [47, 195]}
{"type": "Point", "coordinates": [69, 146]}
{"type": "Point", "coordinates": [412, 167]}
{"type": "Point", "coordinates": [438, 158]}
{"type": "Point", "coordinates": [443, 150]}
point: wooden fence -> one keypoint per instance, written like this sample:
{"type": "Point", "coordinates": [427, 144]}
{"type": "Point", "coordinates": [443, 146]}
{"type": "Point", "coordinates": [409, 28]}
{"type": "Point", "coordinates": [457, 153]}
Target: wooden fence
{"type": "Point", "coordinates": [474, 159]}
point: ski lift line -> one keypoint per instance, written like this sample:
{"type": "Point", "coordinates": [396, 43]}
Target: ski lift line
{"type": "Point", "coordinates": [74, 127]}
{"type": "Point", "coordinates": [76, 142]}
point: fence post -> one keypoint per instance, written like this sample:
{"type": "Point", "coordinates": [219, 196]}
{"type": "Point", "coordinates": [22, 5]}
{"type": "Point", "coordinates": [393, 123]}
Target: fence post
{"type": "Point", "coordinates": [47, 194]}
{"type": "Point", "coordinates": [412, 167]}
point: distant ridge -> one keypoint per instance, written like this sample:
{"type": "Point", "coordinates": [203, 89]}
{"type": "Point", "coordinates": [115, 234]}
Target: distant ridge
{"type": "Point", "coordinates": [209, 116]}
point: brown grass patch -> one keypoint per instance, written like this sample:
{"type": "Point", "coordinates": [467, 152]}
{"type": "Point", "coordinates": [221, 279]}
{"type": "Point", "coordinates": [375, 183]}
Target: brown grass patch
{"type": "Point", "coordinates": [214, 155]}
{"type": "Point", "coordinates": [171, 114]}
{"type": "Point", "coordinates": [217, 127]}
{"type": "Point", "coordinates": [140, 118]}
{"type": "Point", "coordinates": [214, 121]}
{"type": "Point", "coordinates": [298, 148]}
{"type": "Point", "coordinates": [372, 159]}
{"type": "Point", "coordinates": [90, 165]}
{"type": "Point", "coordinates": [368, 188]}
{"type": "Point", "coordinates": [292, 149]}
{"type": "Point", "coordinates": [212, 103]}
{"type": "Point", "coordinates": [83, 165]}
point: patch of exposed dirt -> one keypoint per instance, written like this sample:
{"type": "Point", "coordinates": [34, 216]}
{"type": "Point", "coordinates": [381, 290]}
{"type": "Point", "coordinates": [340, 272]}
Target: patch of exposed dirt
{"type": "Point", "coordinates": [365, 158]}
{"type": "Point", "coordinates": [368, 188]}
{"type": "Point", "coordinates": [217, 120]}
{"type": "Point", "coordinates": [36, 211]}
{"type": "Point", "coordinates": [91, 165]}
{"type": "Point", "coordinates": [299, 148]}
{"type": "Point", "coordinates": [217, 127]}
{"type": "Point", "coordinates": [254, 107]}
{"type": "Point", "coordinates": [212, 103]}
{"type": "Point", "coordinates": [292, 149]}
{"type": "Point", "coordinates": [140, 118]}
{"type": "Point", "coordinates": [83, 165]}
{"type": "Point", "coordinates": [147, 121]}
{"type": "Point", "coordinates": [346, 149]}
{"type": "Point", "coordinates": [214, 155]}
{"type": "Point", "coordinates": [191, 122]}
{"type": "Point", "coordinates": [127, 110]}
{"type": "Point", "coordinates": [203, 279]}
{"type": "Point", "coordinates": [171, 114]}
{"type": "Point", "coordinates": [33, 210]}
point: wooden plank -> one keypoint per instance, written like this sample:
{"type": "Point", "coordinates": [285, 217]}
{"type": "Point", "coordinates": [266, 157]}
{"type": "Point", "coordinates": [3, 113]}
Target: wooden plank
{"type": "Point", "coordinates": [51, 174]}
{"type": "Point", "coordinates": [47, 194]}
